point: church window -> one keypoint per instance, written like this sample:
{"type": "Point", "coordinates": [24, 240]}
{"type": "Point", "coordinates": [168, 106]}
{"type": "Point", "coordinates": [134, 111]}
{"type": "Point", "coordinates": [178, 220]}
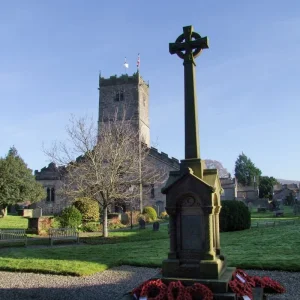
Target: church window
{"type": "Point", "coordinates": [53, 194]}
{"type": "Point", "coordinates": [119, 96]}
{"type": "Point", "coordinates": [48, 194]}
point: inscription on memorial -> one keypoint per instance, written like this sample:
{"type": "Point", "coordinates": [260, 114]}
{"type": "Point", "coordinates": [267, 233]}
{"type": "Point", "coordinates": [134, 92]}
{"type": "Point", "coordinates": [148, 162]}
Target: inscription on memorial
{"type": "Point", "coordinates": [191, 230]}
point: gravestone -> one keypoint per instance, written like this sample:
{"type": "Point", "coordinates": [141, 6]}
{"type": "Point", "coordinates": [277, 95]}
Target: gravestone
{"type": "Point", "coordinates": [142, 224]}
{"type": "Point", "coordinates": [156, 226]}
{"type": "Point", "coordinates": [193, 194]}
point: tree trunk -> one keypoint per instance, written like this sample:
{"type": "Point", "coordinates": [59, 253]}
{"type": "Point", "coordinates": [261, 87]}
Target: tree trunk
{"type": "Point", "coordinates": [105, 229]}
{"type": "Point", "coordinates": [3, 211]}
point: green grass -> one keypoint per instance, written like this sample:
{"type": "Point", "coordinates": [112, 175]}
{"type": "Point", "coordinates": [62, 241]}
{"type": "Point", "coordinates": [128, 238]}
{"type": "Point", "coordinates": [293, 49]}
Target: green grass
{"type": "Point", "coordinates": [259, 248]}
{"type": "Point", "coordinates": [288, 214]}
{"type": "Point", "coordinates": [13, 222]}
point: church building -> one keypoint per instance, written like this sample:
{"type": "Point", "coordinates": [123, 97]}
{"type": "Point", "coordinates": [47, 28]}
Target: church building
{"type": "Point", "coordinates": [114, 93]}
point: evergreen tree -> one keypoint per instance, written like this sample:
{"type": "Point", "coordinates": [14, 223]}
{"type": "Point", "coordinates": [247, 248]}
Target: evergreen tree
{"type": "Point", "coordinates": [245, 171]}
{"type": "Point", "coordinates": [17, 184]}
{"type": "Point", "coordinates": [266, 185]}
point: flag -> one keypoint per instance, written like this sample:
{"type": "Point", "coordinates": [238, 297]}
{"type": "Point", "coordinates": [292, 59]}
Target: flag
{"type": "Point", "coordinates": [138, 62]}
{"type": "Point", "coordinates": [126, 65]}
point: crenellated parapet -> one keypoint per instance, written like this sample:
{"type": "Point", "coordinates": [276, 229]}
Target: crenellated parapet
{"type": "Point", "coordinates": [52, 172]}
{"type": "Point", "coordinates": [174, 162]}
{"type": "Point", "coordinates": [122, 79]}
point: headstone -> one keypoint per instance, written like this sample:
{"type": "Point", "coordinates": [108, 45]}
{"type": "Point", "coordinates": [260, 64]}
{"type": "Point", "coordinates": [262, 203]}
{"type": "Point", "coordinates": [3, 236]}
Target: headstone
{"type": "Point", "coordinates": [142, 224]}
{"type": "Point", "coordinates": [193, 193]}
{"type": "Point", "coordinates": [155, 226]}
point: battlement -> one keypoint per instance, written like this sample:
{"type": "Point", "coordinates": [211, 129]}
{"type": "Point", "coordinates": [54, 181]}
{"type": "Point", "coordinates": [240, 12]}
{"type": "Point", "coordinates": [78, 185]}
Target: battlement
{"type": "Point", "coordinates": [52, 172]}
{"type": "Point", "coordinates": [135, 78]}
{"type": "Point", "coordinates": [174, 162]}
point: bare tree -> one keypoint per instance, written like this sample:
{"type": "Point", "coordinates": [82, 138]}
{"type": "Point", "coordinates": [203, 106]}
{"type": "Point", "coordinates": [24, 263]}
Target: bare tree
{"type": "Point", "coordinates": [106, 166]}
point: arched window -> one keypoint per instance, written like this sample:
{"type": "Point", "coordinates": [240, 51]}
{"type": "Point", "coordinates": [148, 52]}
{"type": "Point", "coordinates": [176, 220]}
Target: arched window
{"type": "Point", "coordinates": [48, 194]}
{"type": "Point", "coordinates": [53, 194]}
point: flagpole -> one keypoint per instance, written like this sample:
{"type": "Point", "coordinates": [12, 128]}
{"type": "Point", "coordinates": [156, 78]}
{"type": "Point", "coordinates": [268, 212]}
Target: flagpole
{"type": "Point", "coordinates": [126, 66]}
{"type": "Point", "coordinates": [138, 64]}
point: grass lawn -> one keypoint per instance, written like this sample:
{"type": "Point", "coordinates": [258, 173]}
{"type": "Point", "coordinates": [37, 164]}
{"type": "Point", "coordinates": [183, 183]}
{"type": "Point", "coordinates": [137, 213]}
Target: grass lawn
{"type": "Point", "coordinates": [258, 248]}
{"type": "Point", "coordinates": [288, 214]}
{"type": "Point", "coordinates": [13, 222]}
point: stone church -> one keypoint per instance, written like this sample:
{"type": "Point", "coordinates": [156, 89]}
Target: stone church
{"type": "Point", "coordinates": [114, 93]}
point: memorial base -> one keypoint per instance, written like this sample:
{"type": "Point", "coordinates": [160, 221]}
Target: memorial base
{"type": "Point", "coordinates": [204, 269]}
{"type": "Point", "coordinates": [219, 286]}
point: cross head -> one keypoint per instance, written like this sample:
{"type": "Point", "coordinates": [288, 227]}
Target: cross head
{"type": "Point", "coordinates": [188, 45]}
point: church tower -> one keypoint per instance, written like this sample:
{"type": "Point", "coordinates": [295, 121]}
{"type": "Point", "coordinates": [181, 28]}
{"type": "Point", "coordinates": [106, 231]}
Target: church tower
{"type": "Point", "coordinates": [131, 92]}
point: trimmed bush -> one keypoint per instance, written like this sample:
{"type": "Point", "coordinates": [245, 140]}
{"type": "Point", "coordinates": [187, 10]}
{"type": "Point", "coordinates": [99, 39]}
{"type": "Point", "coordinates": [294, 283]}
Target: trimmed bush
{"type": "Point", "coordinates": [234, 216]}
{"type": "Point", "coordinates": [151, 212]}
{"type": "Point", "coordinates": [70, 217]}
{"type": "Point", "coordinates": [144, 217]}
{"type": "Point", "coordinates": [88, 208]}
{"type": "Point", "coordinates": [164, 215]}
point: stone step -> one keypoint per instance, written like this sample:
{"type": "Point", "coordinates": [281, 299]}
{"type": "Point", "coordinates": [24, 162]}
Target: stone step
{"type": "Point", "coordinates": [225, 296]}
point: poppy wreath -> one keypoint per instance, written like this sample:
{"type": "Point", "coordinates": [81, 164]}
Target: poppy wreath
{"type": "Point", "coordinates": [245, 276]}
{"type": "Point", "coordinates": [198, 289]}
{"type": "Point", "coordinates": [137, 291]}
{"type": "Point", "coordinates": [259, 282]}
{"type": "Point", "coordinates": [240, 289]}
{"type": "Point", "coordinates": [272, 286]}
{"type": "Point", "coordinates": [176, 291]}
{"type": "Point", "coordinates": [154, 290]}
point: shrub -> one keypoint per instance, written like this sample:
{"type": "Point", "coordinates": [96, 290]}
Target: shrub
{"type": "Point", "coordinates": [135, 216]}
{"type": "Point", "coordinates": [151, 212]}
{"type": "Point", "coordinates": [113, 216]}
{"type": "Point", "coordinates": [115, 224]}
{"type": "Point", "coordinates": [88, 208]}
{"type": "Point", "coordinates": [91, 227]}
{"type": "Point", "coordinates": [70, 217]}
{"type": "Point", "coordinates": [234, 216]}
{"type": "Point", "coordinates": [145, 217]}
{"type": "Point", "coordinates": [164, 215]}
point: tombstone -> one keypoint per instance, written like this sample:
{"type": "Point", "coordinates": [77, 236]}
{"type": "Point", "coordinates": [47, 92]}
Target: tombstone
{"type": "Point", "coordinates": [156, 226]}
{"type": "Point", "coordinates": [193, 194]}
{"type": "Point", "coordinates": [142, 224]}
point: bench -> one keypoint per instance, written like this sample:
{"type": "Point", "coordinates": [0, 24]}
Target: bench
{"type": "Point", "coordinates": [60, 234]}
{"type": "Point", "coordinates": [13, 235]}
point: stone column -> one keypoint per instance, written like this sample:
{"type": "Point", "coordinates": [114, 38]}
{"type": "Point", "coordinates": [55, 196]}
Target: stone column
{"type": "Point", "coordinates": [217, 229]}
{"type": "Point", "coordinates": [209, 234]}
{"type": "Point", "coordinates": [172, 230]}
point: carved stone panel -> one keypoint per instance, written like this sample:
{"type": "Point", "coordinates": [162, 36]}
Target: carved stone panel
{"type": "Point", "coordinates": [191, 232]}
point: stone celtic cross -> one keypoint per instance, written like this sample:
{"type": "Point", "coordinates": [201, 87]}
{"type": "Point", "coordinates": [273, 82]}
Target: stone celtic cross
{"type": "Point", "coordinates": [188, 46]}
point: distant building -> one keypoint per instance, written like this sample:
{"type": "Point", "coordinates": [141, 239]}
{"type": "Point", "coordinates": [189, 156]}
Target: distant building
{"type": "Point", "coordinates": [282, 191]}
{"type": "Point", "coordinates": [229, 186]}
{"type": "Point", "coordinates": [247, 193]}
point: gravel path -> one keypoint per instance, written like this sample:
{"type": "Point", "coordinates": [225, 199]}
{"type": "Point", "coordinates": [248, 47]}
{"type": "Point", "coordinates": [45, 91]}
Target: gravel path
{"type": "Point", "coordinates": [110, 284]}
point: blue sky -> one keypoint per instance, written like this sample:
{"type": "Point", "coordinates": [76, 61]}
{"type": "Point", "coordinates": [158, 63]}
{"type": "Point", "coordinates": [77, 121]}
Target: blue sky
{"type": "Point", "coordinates": [247, 82]}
